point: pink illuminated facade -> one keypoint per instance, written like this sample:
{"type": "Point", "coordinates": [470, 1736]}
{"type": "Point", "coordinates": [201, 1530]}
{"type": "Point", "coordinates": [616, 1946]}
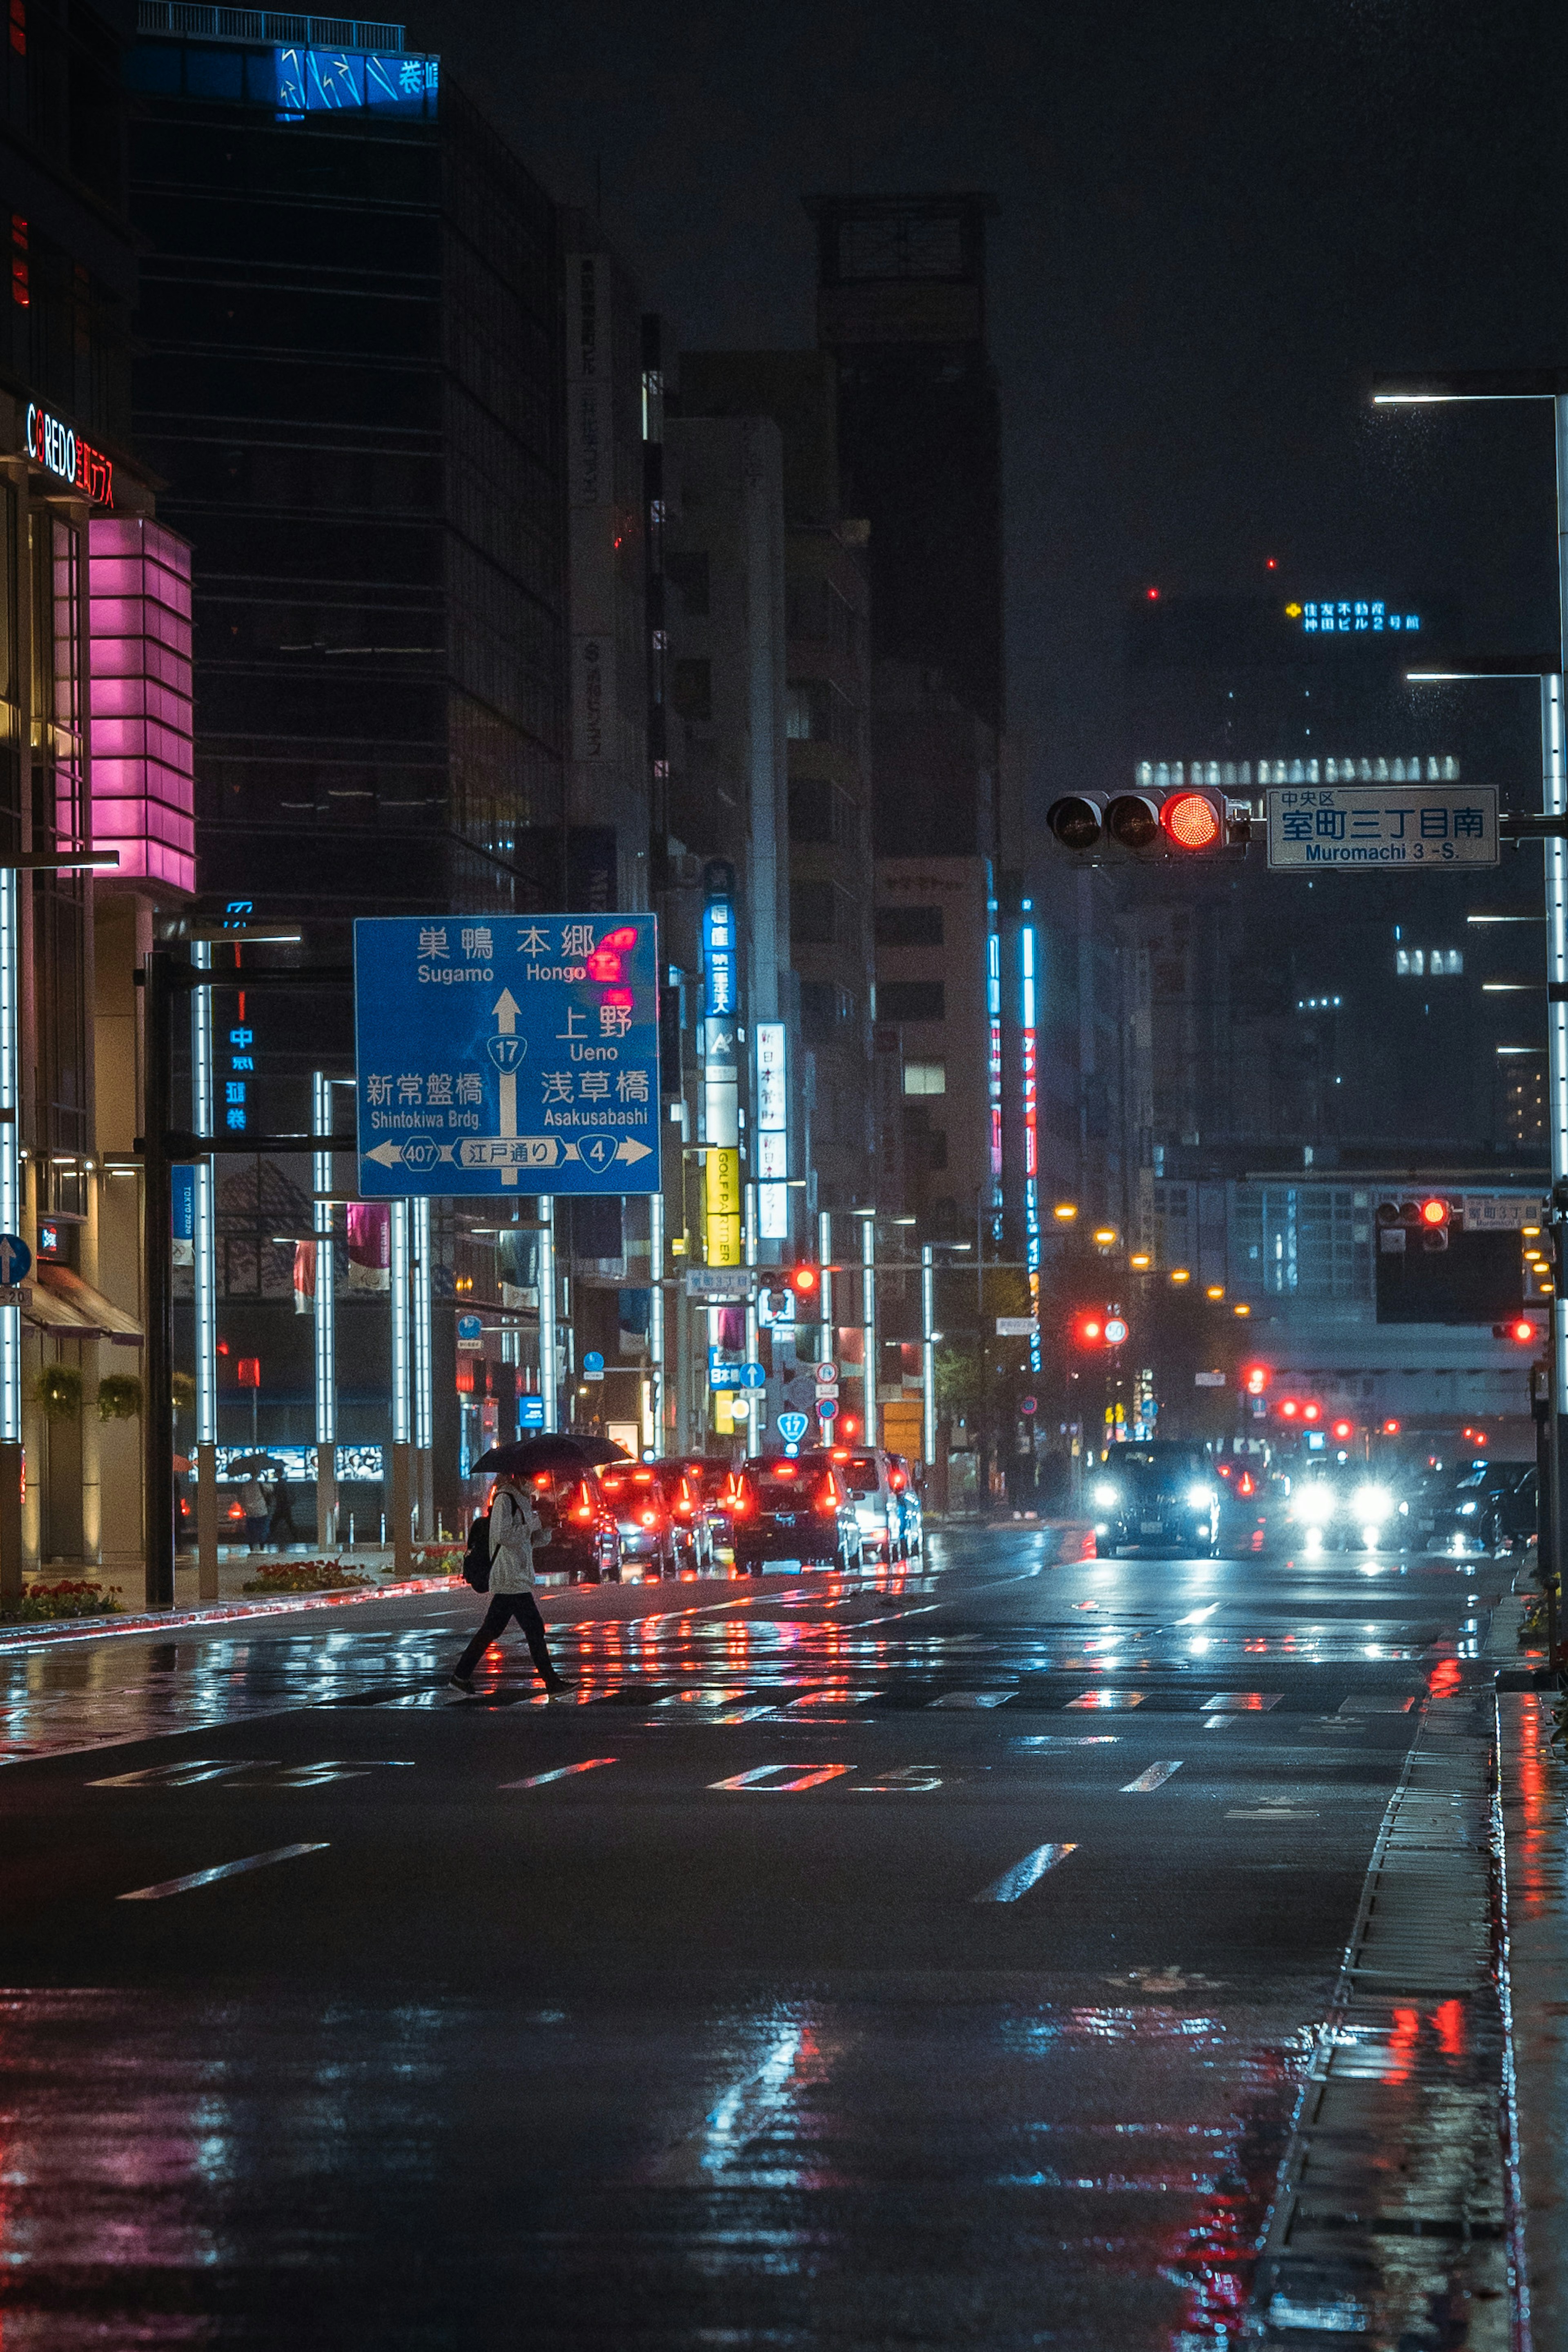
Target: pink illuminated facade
{"type": "Point", "coordinates": [143, 795]}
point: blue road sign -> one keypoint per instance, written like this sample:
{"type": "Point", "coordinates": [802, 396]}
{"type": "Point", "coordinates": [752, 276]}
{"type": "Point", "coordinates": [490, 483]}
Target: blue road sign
{"type": "Point", "coordinates": [16, 1260]}
{"type": "Point", "coordinates": [826, 1408]}
{"type": "Point", "coordinates": [530, 1413]}
{"type": "Point", "coordinates": [793, 1427]}
{"type": "Point", "coordinates": [593, 1361]}
{"type": "Point", "coordinates": [496, 1054]}
{"type": "Point", "coordinates": [753, 1377]}
{"type": "Point", "coordinates": [471, 1327]}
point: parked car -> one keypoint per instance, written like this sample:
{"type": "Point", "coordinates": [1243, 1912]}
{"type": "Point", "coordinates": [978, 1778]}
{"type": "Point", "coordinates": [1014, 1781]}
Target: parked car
{"type": "Point", "coordinates": [636, 1495]}
{"type": "Point", "coordinates": [865, 1471]}
{"type": "Point", "coordinates": [1162, 1495]}
{"type": "Point", "coordinates": [680, 1483]}
{"type": "Point", "coordinates": [584, 1539]}
{"type": "Point", "coordinates": [800, 1509]}
{"type": "Point", "coordinates": [911, 1521]}
{"type": "Point", "coordinates": [1491, 1507]}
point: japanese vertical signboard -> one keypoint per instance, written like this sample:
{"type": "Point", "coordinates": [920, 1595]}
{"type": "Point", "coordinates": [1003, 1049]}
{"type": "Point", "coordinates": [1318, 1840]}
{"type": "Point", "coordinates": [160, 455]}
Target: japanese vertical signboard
{"type": "Point", "coordinates": [1370, 828]}
{"type": "Point", "coordinates": [495, 1053]}
{"type": "Point", "coordinates": [720, 1070]}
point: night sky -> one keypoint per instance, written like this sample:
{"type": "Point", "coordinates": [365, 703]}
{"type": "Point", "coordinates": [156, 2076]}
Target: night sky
{"type": "Point", "coordinates": [1217, 220]}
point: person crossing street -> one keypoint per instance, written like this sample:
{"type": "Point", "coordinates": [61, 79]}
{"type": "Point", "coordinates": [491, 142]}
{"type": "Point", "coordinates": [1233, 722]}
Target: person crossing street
{"type": "Point", "coordinates": [516, 1532]}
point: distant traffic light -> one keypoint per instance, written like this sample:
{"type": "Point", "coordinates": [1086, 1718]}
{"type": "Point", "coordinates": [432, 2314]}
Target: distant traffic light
{"type": "Point", "coordinates": [1099, 1326]}
{"type": "Point", "coordinates": [1521, 1330]}
{"type": "Point", "coordinates": [803, 1280]}
{"type": "Point", "coordinates": [1151, 822]}
{"type": "Point", "coordinates": [1088, 1330]}
{"type": "Point", "coordinates": [1434, 1211]}
{"type": "Point", "coordinates": [1256, 1377]}
{"type": "Point", "coordinates": [1344, 1428]}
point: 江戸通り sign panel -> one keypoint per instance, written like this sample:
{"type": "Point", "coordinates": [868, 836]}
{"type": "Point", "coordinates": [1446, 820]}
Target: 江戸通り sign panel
{"type": "Point", "coordinates": [1375, 828]}
{"type": "Point", "coordinates": [496, 1054]}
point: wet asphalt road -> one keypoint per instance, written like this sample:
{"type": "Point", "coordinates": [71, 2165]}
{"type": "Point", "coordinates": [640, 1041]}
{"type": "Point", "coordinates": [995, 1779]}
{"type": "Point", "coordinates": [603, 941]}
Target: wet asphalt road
{"type": "Point", "coordinates": [625, 2021]}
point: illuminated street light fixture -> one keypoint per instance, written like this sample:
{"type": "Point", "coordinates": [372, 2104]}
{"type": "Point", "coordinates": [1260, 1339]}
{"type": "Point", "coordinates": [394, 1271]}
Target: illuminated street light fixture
{"type": "Point", "coordinates": [1242, 1309]}
{"type": "Point", "coordinates": [1141, 1261]}
{"type": "Point", "coordinates": [1181, 1273]}
{"type": "Point", "coordinates": [1215, 1290]}
{"type": "Point", "coordinates": [1105, 1237]}
{"type": "Point", "coordinates": [1065, 1211]}
{"type": "Point", "coordinates": [1533, 384]}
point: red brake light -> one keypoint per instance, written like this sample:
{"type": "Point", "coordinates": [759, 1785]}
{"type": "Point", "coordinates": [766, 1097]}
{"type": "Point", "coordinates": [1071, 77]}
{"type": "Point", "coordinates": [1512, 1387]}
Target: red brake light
{"type": "Point", "coordinates": [829, 1493]}
{"type": "Point", "coordinates": [783, 1470]}
{"type": "Point", "coordinates": [542, 1480]}
{"type": "Point", "coordinates": [1247, 1486]}
{"type": "Point", "coordinates": [648, 1518]}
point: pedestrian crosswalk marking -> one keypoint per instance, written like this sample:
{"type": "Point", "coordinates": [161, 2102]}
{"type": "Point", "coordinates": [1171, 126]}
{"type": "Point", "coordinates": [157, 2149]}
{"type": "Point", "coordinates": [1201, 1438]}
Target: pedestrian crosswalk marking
{"type": "Point", "coordinates": [1155, 1777]}
{"type": "Point", "coordinates": [760, 1782]}
{"type": "Point", "coordinates": [1024, 1874]}
{"type": "Point", "coordinates": [221, 1870]}
{"type": "Point", "coordinates": [558, 1772]}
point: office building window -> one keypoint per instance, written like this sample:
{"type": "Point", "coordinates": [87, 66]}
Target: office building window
{"type": "Point", "coordinates": [813, 913]}
{"type": "Point", "coordinates": [925, 1078]}
{"type": "Point", "coordinates": [908, 927]}
{"type": "Point", "coordinates": [691, 690]}
{"type": "Point", "coordinates": [912, 1000]}
{"type": "Point", "coordinates": [690, 573]}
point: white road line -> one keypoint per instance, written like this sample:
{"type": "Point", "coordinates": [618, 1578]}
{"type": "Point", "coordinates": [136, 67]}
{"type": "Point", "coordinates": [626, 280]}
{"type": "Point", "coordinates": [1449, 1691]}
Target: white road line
{"type": "Point", "coordinates": [223, 1869]}
{"type": "Point", "coordinates": [1198, 1615]}
{"type": "Point", "coordinates": [1155, 1777]}
{"type": "Point", "coordinates": [1023, 1874]}
{"type": "Point", "coordinates": [560, 1773]}
{"type": "Point", "coordinates": [972, 1698]}
{"type": "Point", "coordinates": [186, 1775]}
{"type": "Point", "coordinates": [759, 1780]}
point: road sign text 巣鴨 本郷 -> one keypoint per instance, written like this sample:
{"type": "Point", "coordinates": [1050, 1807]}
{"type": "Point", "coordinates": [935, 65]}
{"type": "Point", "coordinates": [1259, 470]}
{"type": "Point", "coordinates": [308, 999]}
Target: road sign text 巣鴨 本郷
{"type": "Point", "coordinates": [1370, 828]}
{"type": "Point", "coordinates": [495, 1053]}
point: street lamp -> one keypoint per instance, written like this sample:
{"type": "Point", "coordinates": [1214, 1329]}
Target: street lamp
{"type": "Point", "coordinates": [1533, 384]}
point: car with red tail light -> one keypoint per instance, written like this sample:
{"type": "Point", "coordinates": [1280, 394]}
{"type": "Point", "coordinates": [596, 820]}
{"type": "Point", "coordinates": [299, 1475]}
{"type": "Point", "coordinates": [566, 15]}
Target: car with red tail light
{"type": "Point", "coordinates": [585, 1540]}
{"type": "Point", "coordinates": [694, 1516]}
{"type": "Point", "coordinates": [792, 1510]}
{"type": "Point", "coordinates": [636, 1495]}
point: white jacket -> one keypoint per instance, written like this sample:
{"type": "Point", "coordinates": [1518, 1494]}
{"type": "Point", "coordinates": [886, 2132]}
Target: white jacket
{"type": "Point", "coordinates": [516, 1532]}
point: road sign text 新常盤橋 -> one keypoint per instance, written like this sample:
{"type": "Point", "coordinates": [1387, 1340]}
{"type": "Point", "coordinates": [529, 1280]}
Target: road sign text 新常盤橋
{"type": "Point", "coordinates": [503, 1052]}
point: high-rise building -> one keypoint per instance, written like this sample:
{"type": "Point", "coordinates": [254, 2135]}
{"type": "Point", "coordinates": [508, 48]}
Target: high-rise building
{"type": "Point", "coordinates": [95, 676]}
{"type": "Point", "coordinates": [827, 716]}
{"type": "Point", "coordinates": [348, 366]}
{"type": "Point", "coordinates": [901, 308]}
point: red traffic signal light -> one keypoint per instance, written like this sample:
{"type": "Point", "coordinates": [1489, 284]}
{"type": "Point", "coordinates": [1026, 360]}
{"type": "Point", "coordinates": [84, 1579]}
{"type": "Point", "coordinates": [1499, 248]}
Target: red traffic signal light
{"type": "Point", "coordinates": [1311, 1412]}
{"type": "Point", "coordinates": [1256, 1377]}
{"type": "Point", "coordinates": [1344, 1428]}
{"type": "Point", "coordinates": [248, 1371]}
{"type": "Point", "coordinates": [1522, 1330]}
{"type": "Point", "coordinates": [1088, 1330]}
{"type": "Point", "coordinates": [1434, 1213]}
{"type": "Point", "coordinates": [1193, 821]}
{"type": "Point", "coordinates": [1287, 1409]}
{"type": "Point", "coordinates": [803, 1280]}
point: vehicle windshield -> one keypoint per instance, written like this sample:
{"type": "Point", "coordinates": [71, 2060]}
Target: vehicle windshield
{"type": "Point", "coordinates": [1144, 1463]}
{"type": "Point", "coordinates": [776, 1494]}
{"type": "Point", "coordinates": [858, 1472]}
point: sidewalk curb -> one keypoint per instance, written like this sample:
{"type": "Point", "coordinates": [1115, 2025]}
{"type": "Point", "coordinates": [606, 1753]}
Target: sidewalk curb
{"type": "Point", "coordinates": [1532, 1798]}
{"type": "Point", "coordinates": [215, 1612]}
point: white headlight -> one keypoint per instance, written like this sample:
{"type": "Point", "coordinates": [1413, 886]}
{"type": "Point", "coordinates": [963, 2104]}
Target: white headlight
{"type": "Point", "coordinates": [1467, 1510]}
{"type": "Point", "coordinates": [1315, 1504]}
{"type": "Point", "coordinates": [1105, 1495]}
{"type": "Point", "coordinates": [1200, 1497]}
{"type": "Point", "coordinates": [1372, 1503]}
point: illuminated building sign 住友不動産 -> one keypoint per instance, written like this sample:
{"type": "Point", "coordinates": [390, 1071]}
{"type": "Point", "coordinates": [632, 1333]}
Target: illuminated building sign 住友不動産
{"type": "Point", "coordinates": [61, 450]}
{"type": "Point", "coordinates": [1353, 616]}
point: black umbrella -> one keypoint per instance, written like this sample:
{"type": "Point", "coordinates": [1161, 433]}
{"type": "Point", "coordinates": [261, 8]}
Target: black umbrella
{"type": "Point", "coordinates": [600, 1450]}
{"type": "Point", "coordinates": [248, 1462]}
{"type": "Point", "coordinates": [527, 1455]}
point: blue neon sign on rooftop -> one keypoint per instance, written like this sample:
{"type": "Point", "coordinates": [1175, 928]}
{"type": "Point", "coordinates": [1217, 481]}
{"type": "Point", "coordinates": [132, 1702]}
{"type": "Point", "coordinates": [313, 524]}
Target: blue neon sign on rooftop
{"type": "Point", "coordinates": [339, 81]}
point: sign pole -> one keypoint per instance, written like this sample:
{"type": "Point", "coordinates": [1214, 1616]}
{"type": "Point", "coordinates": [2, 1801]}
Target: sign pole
{"type": "Point", "coordinates": [158, 1422]}
{"type": "Point", "coordinates": [869, 1320]}
{"type": "Point", "coordinates": [927, 1354]}
{"type": "Point", "coordinates": [203, 1281]}
{"type": "Point", "coordinates": [549, 1378]}
{"type": "Point", "coordinates": [326, 1331]}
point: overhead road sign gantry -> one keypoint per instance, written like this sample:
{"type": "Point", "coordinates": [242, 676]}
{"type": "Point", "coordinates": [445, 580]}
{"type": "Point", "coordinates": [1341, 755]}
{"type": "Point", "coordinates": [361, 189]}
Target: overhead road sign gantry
{"type": "Point", "coordinates": [497, 1053]}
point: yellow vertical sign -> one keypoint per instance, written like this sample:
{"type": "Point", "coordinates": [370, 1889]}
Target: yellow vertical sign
{"type": "Point", "coordinates": [722, 1204]}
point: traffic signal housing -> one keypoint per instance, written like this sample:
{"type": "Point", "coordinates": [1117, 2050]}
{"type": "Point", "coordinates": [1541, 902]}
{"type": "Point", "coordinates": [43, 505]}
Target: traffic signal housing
{"type": "Point", "coordinates": [1155, 821]}
{"type": "Point", "coordinates": [1521, 1330]}
{"type": "Point", "coordinates": [805, 1281]}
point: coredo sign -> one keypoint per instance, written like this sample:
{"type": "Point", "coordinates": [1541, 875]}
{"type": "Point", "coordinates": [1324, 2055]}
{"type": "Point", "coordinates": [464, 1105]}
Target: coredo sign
{"type": "Point", "coordinates": [61, 450]}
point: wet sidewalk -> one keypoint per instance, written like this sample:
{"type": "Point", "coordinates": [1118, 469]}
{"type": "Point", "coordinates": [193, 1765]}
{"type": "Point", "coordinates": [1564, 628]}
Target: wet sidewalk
{"type": "Point", "coordinates": [1533, 1792]}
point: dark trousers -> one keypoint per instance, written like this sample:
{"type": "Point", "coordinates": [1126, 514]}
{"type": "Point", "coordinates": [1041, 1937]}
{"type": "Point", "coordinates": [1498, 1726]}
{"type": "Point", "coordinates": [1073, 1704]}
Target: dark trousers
{"type": "Point", "coordinates": [505, 1605]}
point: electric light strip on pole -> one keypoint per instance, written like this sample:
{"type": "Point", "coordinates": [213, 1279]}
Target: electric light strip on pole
{"type": "Point", "coordinates": [656, 1324]}
{"type": "Point", "coordinates": [326, 1337]}
{"type": "Point", "coordinates": [868, 1319]}
{"type": "Point", "coordinates": [10, 1223]}
{"type": "Point", "coordinates": [549, 1375]}
{"type": "Point", "coordinates": [204, 1280]}
{"type": "Point", "coordinates": [423, 1385]}
{"type": "Point", "coordinates": [927, 1354]}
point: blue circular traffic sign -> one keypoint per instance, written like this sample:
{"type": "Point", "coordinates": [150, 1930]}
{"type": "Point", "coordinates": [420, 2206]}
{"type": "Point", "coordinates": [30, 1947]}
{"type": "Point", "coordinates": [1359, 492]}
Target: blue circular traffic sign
{"type": "Point", "coordinates": [753, 1377]}
{"type": "Point", "coordinates": [826, 1408]}
{"type": "Point", "coordinates": [469, 1327]}
{"type": "Point", "coordinates": [16, 1260]}
{"type": "Point", "coordinates": [592, 1361]}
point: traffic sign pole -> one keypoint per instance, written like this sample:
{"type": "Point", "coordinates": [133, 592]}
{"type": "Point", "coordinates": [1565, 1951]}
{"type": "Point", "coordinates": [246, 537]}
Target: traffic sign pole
{"type": "Point", "coordinates": [10, 1217]}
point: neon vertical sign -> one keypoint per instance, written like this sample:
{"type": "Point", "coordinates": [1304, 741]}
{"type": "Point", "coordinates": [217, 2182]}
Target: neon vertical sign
{"type": "Point", "coordinates": [1029, 1073]}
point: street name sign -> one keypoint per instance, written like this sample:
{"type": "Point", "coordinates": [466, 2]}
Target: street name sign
{"type": "Point", "coordinates": [1374, 828]}
{"type": "Point", "coordinates": [719, 1286]}
{"type": "Point", "coordinates": [495, 1053]}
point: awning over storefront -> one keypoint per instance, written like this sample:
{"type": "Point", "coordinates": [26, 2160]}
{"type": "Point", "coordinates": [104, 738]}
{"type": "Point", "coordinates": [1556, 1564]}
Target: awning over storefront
{"type": "Point", "coordinates": [62, 1303]}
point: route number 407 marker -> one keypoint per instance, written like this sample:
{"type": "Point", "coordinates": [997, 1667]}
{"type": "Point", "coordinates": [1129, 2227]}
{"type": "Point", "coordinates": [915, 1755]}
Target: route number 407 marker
{"type": "Point", "coordinates": [494, 1052]}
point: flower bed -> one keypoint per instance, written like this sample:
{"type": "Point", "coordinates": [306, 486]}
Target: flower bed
{"type": "Point", "coordinates": [439, 1560]}
{"type": "Point", "coordinates": [307, 1576]}
{"type": "Point", "coordinates": [67, 1596]}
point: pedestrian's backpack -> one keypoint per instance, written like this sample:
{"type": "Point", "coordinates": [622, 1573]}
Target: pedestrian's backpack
{"type": "Point", "coordinates": [477, 1556]}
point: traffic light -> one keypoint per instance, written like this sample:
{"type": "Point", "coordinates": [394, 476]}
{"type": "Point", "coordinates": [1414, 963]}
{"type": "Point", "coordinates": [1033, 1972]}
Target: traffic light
{"type": "Point", "coordinates": [1427, 1215]}
{"type": "Point", "coordinates": [1522, 1330]}
{"type": "Point", "coordinates": [1343, 1430]}
{"type": "Point", "coordinates": [1255, 1378]}
{"type": "Point", "coordinates": [1179, 821]}
{"type": "Point", "coordinates": [1099, 1326]}
{"type": "Point", "coordinates": [805, 1280]}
